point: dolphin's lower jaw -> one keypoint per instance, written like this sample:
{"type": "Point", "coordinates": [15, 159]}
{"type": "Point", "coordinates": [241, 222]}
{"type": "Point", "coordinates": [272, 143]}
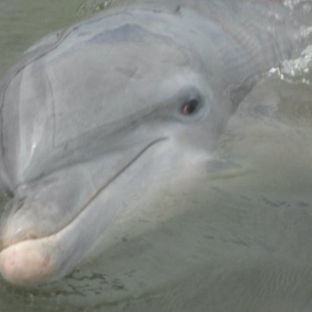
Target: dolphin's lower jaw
{"type": "Point", "coordinates": [28, 259]}
{"type": "Point", "coordinates": [39, 260]}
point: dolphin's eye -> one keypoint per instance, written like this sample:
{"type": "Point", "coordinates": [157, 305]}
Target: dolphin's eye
{"type": "Point", "coordinates": [190, 107]}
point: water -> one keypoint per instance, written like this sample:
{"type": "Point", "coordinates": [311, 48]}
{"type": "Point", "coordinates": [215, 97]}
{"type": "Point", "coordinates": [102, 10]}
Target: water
{"type": "Point", "coordinates": [245, 244]}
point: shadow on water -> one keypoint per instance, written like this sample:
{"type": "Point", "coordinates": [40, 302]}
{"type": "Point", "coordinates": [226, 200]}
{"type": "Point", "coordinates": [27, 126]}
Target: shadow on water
{"type": "Point", "coordinates": [239, 240]}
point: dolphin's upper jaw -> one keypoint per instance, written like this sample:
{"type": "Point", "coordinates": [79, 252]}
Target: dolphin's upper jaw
{"type": "Point", "coordinates": [30, 257]}
{"type": "Point", "coordinates": [11, 235]}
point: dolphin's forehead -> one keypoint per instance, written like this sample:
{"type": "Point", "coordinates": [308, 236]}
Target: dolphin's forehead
{"type": "Point", "coordinates": [125, 33]}
{"type": "Point", "coordinates": [122, 28]}
{"type": "Point", "coordinates": [107, 77]}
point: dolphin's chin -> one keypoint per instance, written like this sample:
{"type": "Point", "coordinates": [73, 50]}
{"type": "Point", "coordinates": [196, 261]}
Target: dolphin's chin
{"type": "Point", "coordinates": [29, 262]}
{"type": "Point", "coordinates": [35, 261]}
{"type": "Point", "coordinates": [32, 259]}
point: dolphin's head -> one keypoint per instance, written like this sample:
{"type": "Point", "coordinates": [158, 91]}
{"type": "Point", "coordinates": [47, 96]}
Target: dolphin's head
{"type": "Point", "coordinates": [116, 112]}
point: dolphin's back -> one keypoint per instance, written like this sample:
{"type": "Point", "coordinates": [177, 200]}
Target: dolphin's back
{"type": "Point", "coordinates": [248, 36]}
{"type": "Point", "coordinates": [269, 31]}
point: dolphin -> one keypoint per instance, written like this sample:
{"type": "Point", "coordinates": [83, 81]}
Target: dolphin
{"type": "Point", "coordinates": [95, 117]}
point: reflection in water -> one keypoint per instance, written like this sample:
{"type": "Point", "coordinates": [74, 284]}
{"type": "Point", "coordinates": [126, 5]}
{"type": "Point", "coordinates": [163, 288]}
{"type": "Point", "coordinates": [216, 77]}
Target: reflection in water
{"type": "Point", "coordinates": [247, 234]}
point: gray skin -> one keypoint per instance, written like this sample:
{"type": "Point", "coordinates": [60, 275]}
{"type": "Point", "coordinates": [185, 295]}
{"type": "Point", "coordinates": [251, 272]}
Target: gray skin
{"type": "Point", "coordinates": [135, 97]}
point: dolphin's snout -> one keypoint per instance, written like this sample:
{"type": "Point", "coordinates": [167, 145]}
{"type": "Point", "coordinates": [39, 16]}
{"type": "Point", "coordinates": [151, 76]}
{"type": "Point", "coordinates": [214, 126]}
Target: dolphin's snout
{"type": "Point", "coordinates": [24, 258]}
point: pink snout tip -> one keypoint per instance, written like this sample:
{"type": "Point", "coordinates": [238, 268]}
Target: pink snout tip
{"type": "Point", "coordinates": [27, 262]}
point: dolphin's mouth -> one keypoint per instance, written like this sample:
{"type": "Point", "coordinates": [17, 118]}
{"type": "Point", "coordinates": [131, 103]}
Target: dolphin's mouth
{"type": "Point", "coordinates": [34, 259]}
{"type": "Point", "coordinates": [117, 174]}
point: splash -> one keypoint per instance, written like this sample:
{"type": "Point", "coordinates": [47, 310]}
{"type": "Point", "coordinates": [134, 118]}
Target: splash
{"type": "Point", "coordinates": [88, 7]}
{"type": "Point", "coordinates": [298, 71]}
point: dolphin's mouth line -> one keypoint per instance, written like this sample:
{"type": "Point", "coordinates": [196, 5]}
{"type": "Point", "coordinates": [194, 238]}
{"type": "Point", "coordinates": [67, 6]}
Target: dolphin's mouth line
{"type": "Point", "coordinates": [116, 175]}
{"type": "Point", "coordinates": [96, 193]}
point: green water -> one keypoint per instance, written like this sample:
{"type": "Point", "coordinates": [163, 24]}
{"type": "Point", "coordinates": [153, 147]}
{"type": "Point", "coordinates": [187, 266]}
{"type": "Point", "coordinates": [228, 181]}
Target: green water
{"type": "Point", "coordinates": [24, 22]}
{"type": "Point", "coordinates": [249, 228]}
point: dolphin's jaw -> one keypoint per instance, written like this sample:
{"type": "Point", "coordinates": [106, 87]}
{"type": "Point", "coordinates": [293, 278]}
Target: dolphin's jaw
{"type": "Point", "coordinates": [27, 259]}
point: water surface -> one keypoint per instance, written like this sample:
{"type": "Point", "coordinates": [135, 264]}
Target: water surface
{"type": "Point", "coordinates": [242, 235]}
